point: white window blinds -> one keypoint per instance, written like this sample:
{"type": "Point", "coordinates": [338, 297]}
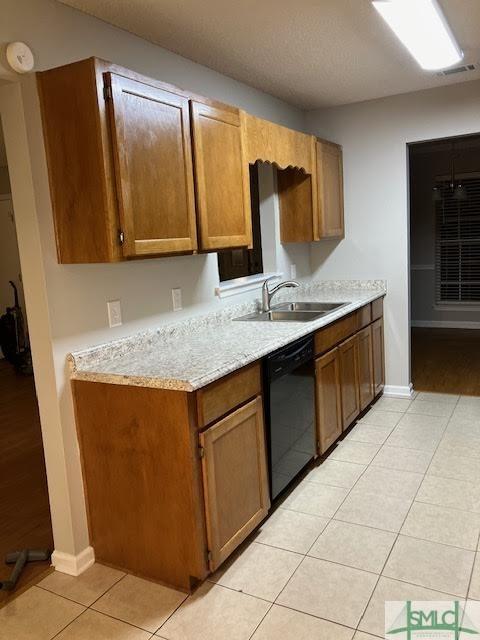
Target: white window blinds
{"type": "Point", "coordinates": [457, 259]}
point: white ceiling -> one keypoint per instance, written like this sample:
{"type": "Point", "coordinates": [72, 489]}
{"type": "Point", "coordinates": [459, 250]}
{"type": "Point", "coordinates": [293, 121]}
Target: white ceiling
{"type": "Point", "coordinates": [310, 53]}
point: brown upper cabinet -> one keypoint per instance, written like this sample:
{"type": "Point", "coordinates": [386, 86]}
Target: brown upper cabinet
{"type": "Point", "coordinates": [80, 171]}
{"type": "Point", "coordinates": [222, 177]}
{"type": "Point", "coordinates": [293, 154]}
{"type": "Point", "coordinates": [150, 131]}
{"type": "Point", "coordinates": [137, 167]}
{"type": "Point", "coordinates": [329, 190]}
{"type": "Point", "coordinates": [311, 200]}
{"type": "Point", "coordinates": [281, 146]}
{"type": "Point", "coordinates": [297, 205]}
{"type": "Point", "coordinates": [122, 177]}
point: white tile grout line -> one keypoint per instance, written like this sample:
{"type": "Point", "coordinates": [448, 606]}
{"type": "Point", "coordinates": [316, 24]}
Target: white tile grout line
{"type": "Point", "coordinates": [83, 605]}
{"type": "Point", "coordinates": [448, 421]}
{"type": "Point", "coordinates": [108, 615]}
{"type": "Point", "coordinates": [306, 554]}
{"type": "Point", "coordinates": [311, 546]}
{"type": "Point", "coordinates": [70, 622]}
{"type": "Point", "coordinates": [398, 534]}
{"type": "Point", "coordinates": [263, 618]}
{"type": "Point", "coordinates": [423, 474]}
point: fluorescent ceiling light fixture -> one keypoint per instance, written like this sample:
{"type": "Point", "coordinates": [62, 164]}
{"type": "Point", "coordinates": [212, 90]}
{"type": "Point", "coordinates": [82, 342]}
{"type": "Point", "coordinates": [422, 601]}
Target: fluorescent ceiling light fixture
{"type": "Point", "coordinates": [423, 29]}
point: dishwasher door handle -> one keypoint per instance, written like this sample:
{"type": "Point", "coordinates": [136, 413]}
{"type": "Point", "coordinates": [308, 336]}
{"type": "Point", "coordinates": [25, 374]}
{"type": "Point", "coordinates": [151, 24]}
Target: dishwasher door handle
{"type": "Point", "coordinates": [294, 355]}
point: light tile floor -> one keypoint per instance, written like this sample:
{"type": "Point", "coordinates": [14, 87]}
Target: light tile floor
{"type": "Point", "coordinates": [393, 514]}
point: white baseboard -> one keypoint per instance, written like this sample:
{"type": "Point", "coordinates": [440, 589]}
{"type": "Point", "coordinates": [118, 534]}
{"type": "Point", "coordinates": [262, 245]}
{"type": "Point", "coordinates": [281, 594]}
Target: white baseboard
{"type": "Point", "coordinates": [445, 324]}
{"type": "Point", "coordinates": [393, 391]}
{"type": "Point", "coordinates": [73, 565]}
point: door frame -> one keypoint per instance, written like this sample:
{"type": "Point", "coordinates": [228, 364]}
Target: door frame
{"type": "Point", "coordinates": [410, 144]}
{"type": "Point", "coordinates": [19, 161]}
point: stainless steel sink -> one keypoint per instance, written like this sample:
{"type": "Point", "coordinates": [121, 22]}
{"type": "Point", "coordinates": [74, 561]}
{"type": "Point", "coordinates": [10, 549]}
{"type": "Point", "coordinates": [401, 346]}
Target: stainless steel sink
{"type": "Point", "coordinates": [309, 306]}
{"type": "Point", "coordinates": [295, 312]}
{"type": "Point", "coordinates": [277, 315]}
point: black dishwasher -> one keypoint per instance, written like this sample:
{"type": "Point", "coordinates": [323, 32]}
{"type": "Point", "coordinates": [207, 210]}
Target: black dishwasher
{"type": "Point", "coordinates": [289, 388]}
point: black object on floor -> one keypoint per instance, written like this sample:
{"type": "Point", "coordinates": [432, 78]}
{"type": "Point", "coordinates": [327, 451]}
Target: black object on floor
{"type": "Point", "coordinates": [14, 338]}
{"type": "Point", "coordinates": [20, 559]}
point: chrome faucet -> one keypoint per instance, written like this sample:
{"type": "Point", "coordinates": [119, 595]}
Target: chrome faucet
{"type": "Point", "coordinates": [267, 294]}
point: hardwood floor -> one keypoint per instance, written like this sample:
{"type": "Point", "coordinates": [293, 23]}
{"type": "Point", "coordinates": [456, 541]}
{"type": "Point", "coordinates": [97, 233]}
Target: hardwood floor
{"type": "Point", "coordinates": [446, 360]}
{"type": "Point", "coordinates": [24, 510]}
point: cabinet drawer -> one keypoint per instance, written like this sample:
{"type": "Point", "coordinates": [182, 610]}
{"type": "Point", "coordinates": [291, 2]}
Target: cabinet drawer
{"type": "Point", "coordinates": [226, 394]}
{"type": "Point", "coordinates": [327, 338]}
{"type": "Point", "coordinates": [377, 309]}
{"type": "Point", "coordinates": [364, 316]}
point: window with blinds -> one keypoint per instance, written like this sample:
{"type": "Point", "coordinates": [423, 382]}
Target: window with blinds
{"type": "Point", "coordinates": [457, 267]}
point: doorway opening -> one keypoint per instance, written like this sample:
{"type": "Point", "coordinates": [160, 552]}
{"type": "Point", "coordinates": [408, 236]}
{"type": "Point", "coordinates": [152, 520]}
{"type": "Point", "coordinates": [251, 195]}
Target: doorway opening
{"type": "Point", "coordinates": [25, 521]}
{"type": "Point", "coordinates": [445, 265]}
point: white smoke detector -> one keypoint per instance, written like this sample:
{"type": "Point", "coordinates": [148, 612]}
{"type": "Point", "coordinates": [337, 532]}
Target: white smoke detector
{"type": "Point", "coordinates": [20, 57]}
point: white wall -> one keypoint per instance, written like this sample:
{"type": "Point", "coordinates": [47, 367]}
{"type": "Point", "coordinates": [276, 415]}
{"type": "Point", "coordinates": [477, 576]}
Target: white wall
{"type": "Point", "coordinates": [278, 257]}
{"type": "Point", "coordinates": [77, 294]}
{"type": "Point", "coordinates": [374, 136]}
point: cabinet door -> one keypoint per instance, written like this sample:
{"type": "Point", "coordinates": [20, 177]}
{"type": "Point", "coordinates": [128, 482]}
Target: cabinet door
{"type": "Point", "coordinates": [235, 479]}
{"type": "Point", "coordinates": [330, 190]}
{"type": "Point", "coordinates": [153, 167]}
{"type": "Point", "coordinates": [221, 178]}
{"type": "Point", "coordinates": [348, 353]}
{"type": "Point", "coordinates": [365, 367]}
{"type": "Point", "coordinates": [296, 205]}
{"type": "Point", "coordinates": [329, 410]}
{"type": "Point", "coordinates": [378, 356]}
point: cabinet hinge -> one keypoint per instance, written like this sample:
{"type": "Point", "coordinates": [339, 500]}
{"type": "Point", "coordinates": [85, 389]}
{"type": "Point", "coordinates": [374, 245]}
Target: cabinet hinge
{"type": "Point", "coordinates": [209, 555]}
{"type": "Point", "coordinates": [121, 237]}
{"type": "Point", "coordinates": [201, 452]}
{"type": "Point", "coordinates": [107, 92]}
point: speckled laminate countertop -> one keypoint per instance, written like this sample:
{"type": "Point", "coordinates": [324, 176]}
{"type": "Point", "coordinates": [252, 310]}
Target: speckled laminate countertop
{"type": "Point", "coordinates": [190, 354]}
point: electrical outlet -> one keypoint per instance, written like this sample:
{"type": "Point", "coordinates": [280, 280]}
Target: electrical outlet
{"type": "Point", "coordinates": [114, 311]}
{"type": "Point", "coordinates": [293, 271]}
{"type": "Point", "coordinates": [177, 299]}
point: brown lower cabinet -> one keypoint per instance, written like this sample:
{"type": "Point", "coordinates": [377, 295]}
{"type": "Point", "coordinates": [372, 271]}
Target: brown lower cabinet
{"type": "Point", "coordinates": [176, 480]}
{"type": "Point", "coordinates": [378, 356]}
{"type": "Point", "coordinates": [350, 371]}
{"type": "Point", "coordinates": [365, 367]}
{"type": "Point", "coordinates": [235, 479]}
{"type": "Point", "coordinates": [329, 399]}
{"type": "Point", "coordinates": [349, 382]}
